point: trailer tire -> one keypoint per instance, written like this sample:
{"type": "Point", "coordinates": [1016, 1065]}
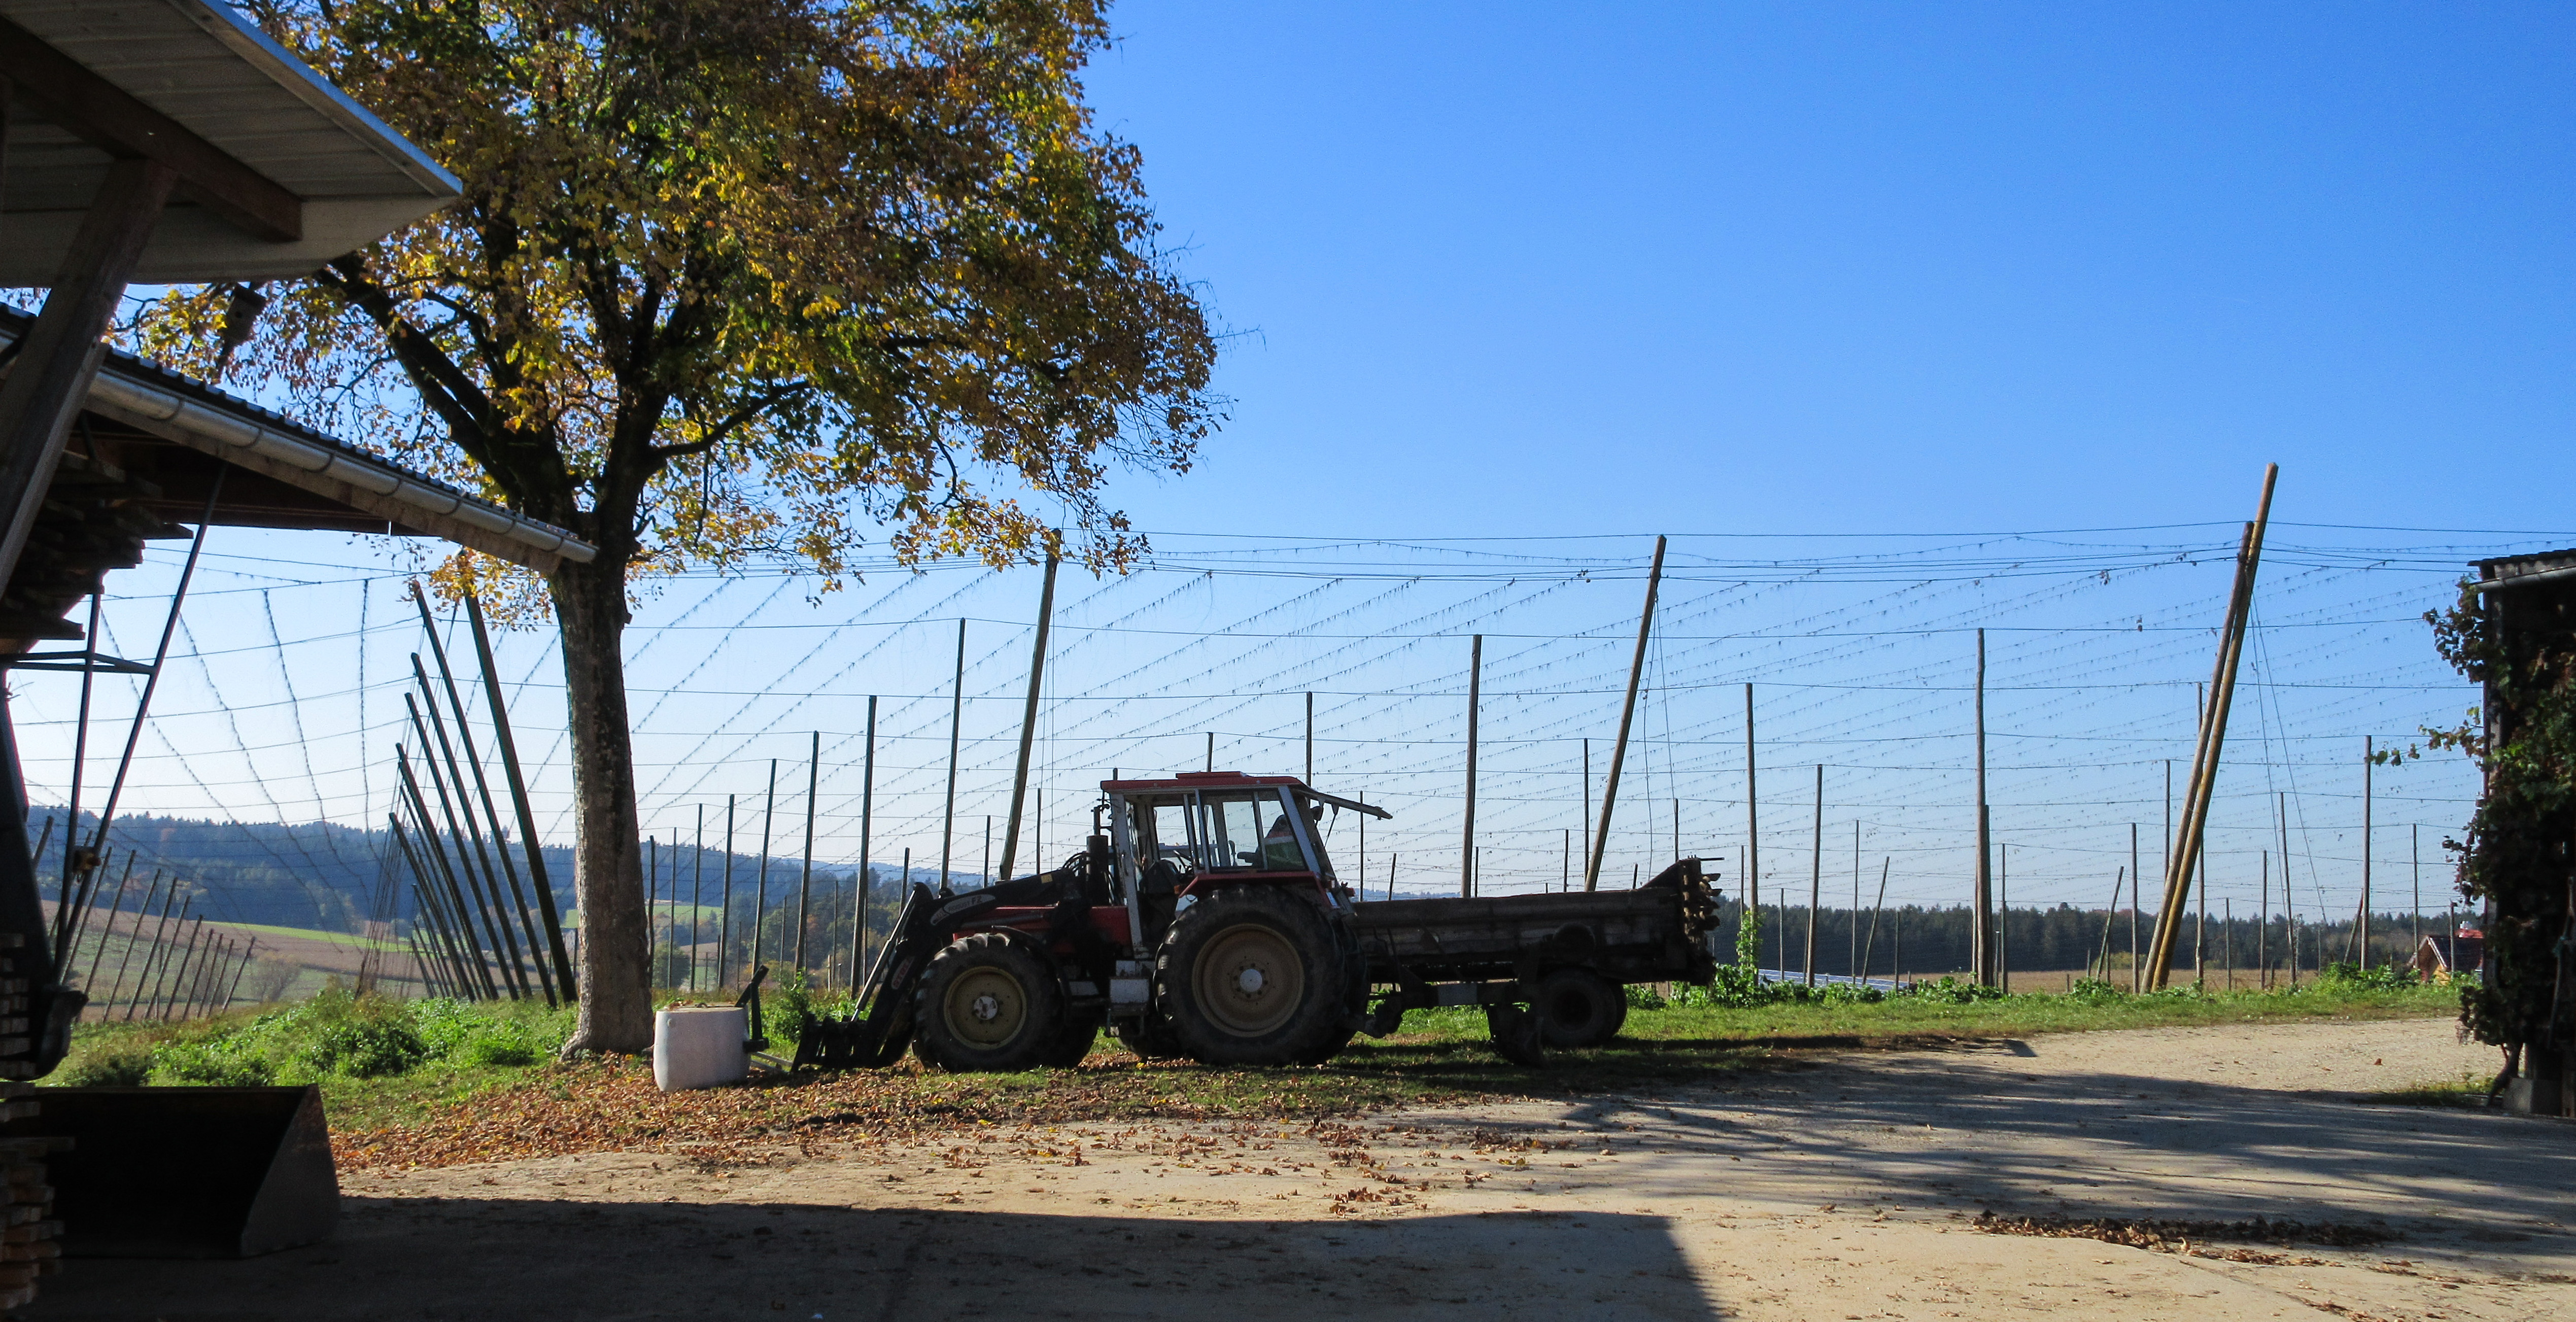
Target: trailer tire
{"type": "Point", "coordinates": [986, 1003]}
{"type": "Point", "coordinates": [1253, 975]}
{"type": "Point", "coordinates": [1150, 1037]}
{"type": "Point", "coordinates": [1075, 1035]}
{"type": "Point", "coordinates": [1579, 1008]}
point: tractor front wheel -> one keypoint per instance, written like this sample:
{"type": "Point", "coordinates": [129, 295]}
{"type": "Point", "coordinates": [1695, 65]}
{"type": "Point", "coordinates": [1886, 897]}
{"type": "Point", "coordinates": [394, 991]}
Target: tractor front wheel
{"type": "Point", "coordinates": [1253, 975]}
{"type": "Point", "coordinates": [989, 1003]}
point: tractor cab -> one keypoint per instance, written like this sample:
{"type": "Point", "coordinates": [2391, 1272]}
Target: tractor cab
{"type": "Point", "coordinates": [1175, 839]}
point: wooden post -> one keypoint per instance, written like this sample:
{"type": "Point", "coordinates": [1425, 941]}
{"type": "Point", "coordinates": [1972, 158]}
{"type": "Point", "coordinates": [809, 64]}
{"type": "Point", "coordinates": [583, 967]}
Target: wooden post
{"type": "Point", "coordinates": [1586, 819]}
{"type": "Point", "coordinates": [1310, 741]}
{"type": "Point", "coordinates": [1390, 875]}
{"type": "Point", "coordinates": [760, 879]}
{"type": "Point", "coordinates": [2003, 917]}
{"type": "Point", "coordinates": [1853, 966]}
{"type": "Point", "coordinates": [697, 893]}
{"type": "Point", "coordinates": [1815, 875]}
{"type": "Point", "coordinates": [956, 714]}
{"type": "Point", "coordinates": [1980, 944]}
{"type": "Point", "coordinates": [805, 871]}
{"type": "Point", "coordinates": [2213, 733]}
{"type": "Point", "coordinates": [1475, 698]}
{"type": "Point", "coordinates": [2263, 928]}
{"type": "Point", "coordinates": [1565, 865]}
{"type": "Point", "coordinates": [2414, 854]}
{"type": "Point", "coordinates": [51, 371]}
{"type": "Point", "coordinates": [1752, 830]}
{"type": "Point", "coordinates": [1875, 910]}
{"type": "Point", "coordinates": [2136, 977]}
{"type": "Point", "coordinates": [2363, 929]}
{"type": "Point", "coordinates": [1627, 713]}
{"type": "Point", "coordinates": [568, 986]}
{"type": "Point", "coordinates": [724, 918]}
{"type": "Point", "coordinates": [1211, 750]}
{"type": "Point", "coordinates": [1029, 724]}
{"type": "Point", "coordinates": [867, 816]}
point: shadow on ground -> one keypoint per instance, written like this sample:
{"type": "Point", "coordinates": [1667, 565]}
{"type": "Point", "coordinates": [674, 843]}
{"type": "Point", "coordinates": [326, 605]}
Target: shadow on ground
{"type": "Point", "coordinates": [438, 1259]}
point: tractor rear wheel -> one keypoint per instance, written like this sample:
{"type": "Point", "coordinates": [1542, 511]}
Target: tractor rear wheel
{"type": "Point", "coordinates": [1253, 975]}
{"type": "Point", "coordinates": [1579, 1008]}
{"type": "Point", "coordinates": [986, 1002]}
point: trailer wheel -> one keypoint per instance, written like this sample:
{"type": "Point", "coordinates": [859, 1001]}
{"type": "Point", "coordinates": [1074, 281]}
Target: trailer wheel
{"type": "Point", "coordinates": [1150, 1037]}
{"type": "Point", "coordinates": [986, 1003]}
{"type": "Point", "coordinates": [1580, 1008]}
{"type": "Point", "coordinates": [1074, 1038]}
{"type": "Point", "coordinates": [1252, 975]}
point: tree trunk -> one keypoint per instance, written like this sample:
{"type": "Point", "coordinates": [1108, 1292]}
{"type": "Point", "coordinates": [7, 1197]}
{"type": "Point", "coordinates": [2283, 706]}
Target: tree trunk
{"type": "Point", "coordinates": [608, 877]}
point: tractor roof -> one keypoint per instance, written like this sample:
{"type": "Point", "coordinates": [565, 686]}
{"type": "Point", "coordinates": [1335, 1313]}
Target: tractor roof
{"type": "Point", "coordinates": [1233, 780]}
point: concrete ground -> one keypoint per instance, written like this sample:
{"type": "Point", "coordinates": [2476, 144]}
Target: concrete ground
{"type": "Point", "coordinates": [1842, 1189]}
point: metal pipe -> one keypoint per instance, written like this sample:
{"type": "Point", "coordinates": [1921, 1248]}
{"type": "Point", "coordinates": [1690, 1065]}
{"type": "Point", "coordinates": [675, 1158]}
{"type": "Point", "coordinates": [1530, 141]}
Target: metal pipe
{"type": "Point", "coordinates": [482, 789]}
{"type": "Point", "coordinates": [484, 945]}
{"type": "Point", "coordinates": [473, 835]}
{"type": "Point", "coordinates": [510, 771]}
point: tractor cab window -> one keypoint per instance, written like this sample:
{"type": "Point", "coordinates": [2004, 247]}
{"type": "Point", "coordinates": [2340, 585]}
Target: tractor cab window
{"type": "Point", "coordinates": [1315, 834]}
{"type": "Point", "coordinates": [1249, 830]}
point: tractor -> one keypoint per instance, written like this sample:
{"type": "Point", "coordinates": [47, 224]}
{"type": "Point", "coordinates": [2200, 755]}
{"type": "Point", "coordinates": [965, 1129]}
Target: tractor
{"type": "Point", "coordinates": [1202, 919]}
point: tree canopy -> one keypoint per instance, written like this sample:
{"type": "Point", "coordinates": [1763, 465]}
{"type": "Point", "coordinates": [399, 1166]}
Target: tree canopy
{"type": "Point", "coordinates": [737, 282]}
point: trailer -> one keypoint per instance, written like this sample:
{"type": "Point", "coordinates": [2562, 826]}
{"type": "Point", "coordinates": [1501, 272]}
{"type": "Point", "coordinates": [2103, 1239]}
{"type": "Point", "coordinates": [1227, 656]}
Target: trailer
{"type": "Point", "coordinates": [1567, 956]}
{"type": "Point", "coordinates": [1204, 919]}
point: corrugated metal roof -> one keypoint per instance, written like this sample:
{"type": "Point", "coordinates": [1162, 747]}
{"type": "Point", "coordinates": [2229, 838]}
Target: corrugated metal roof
{"type": "Point", "coordinates": [206, 66]}
{"type": "Point", "coordinates": [139, 390]}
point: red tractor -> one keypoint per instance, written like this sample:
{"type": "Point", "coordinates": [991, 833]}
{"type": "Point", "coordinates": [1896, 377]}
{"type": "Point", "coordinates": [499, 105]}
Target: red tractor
{"type": "Point", "coordinates": [1202, 919]}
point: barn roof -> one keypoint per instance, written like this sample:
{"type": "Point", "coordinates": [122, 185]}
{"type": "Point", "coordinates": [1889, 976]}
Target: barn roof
{"type": "Point", "coordinates": [280, 170]}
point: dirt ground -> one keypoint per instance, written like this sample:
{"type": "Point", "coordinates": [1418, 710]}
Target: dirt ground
{"type": "Point", "coordinates": [1840, 1187]}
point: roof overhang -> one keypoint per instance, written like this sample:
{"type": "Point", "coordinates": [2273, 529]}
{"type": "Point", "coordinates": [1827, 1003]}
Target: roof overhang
{"type": "Point", "coordinates": [343, 488]}
{"type": "Point", "coordinates": [2515, 571]}
{"type": "Point", "coordinates": [279, 171]}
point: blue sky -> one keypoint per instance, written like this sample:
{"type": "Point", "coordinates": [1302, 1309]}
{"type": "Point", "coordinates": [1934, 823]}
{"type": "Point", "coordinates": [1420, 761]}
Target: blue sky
{"type": "Point", "coordinates": [1864, 267]}
{"type": "Point", "coordinates": [1745, 274]}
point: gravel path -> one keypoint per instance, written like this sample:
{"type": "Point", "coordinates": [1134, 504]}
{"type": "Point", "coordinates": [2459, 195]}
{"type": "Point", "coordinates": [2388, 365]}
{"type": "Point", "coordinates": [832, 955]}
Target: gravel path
{"type": "Point", "coordinates": [1843, 1186]}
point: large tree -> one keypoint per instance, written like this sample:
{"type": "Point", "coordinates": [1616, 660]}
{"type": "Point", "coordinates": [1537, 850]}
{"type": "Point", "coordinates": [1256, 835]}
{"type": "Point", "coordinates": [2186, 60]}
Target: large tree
{"type": "Point", "coordinates": [732, 280]}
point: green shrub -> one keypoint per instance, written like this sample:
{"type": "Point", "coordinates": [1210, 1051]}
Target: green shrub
{"type": "Point", "coordinates": [1949, 990]}
{"type": "Point", "coordinates": [218, 1062]}
{"type": "Point", "coordinates": [1643, 996]}
{"type": "Point", "coordinates": [2352, 976]}
{"type": "Point", "coordinates": [125, 1064]}
{"type": "Point", "coordinates": [784, 1003]}
{"type": "Point", "coordinates": [2096, 989]}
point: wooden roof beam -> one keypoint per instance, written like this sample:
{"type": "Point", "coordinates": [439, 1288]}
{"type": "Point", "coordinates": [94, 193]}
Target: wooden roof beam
{"type": "Point", "coordinates": [111, 119]}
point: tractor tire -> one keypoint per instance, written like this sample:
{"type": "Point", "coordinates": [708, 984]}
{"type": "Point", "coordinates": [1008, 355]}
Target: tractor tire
{"type": "Point", "coordinates": [1579, 1008]}
{"type": "Point", "coordinates": [1076, 1034]}
{"type": "Point", "coordinates": [1253, 975]}
{"type": "Point", "coordinates": [986, 1003]}
{"type": "Point", "coordinates": [1151, 1038]}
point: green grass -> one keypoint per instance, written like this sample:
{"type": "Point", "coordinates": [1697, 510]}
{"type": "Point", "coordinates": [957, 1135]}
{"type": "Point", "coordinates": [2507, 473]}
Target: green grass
{"type": "Point", "coordinates": [348, 939]}
{"type": "Point", "coordinates": [385, 1064]}
{"type": "Point", "coordinates": [2468, 1090]}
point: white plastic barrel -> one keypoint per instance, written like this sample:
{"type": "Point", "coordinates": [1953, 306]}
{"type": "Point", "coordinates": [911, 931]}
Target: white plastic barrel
{"type": "Point", "coordinates": [700, 1046]}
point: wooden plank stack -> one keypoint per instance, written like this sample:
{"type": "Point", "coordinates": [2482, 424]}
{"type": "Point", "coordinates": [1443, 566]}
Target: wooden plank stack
{"type": "Point", "coordinates": [29, 1235]}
